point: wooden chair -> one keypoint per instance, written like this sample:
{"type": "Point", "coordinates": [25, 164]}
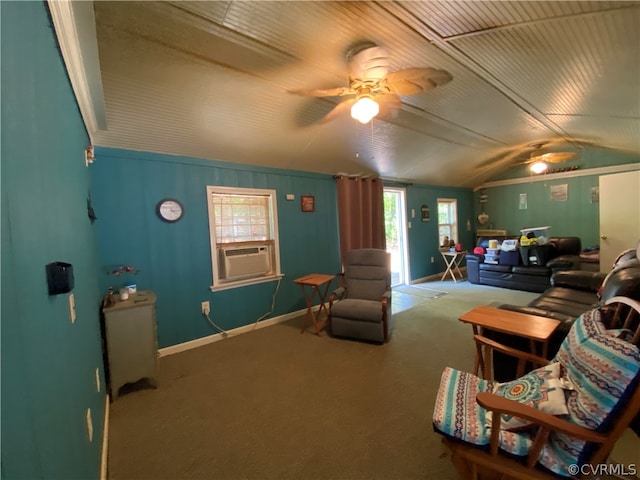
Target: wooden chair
{"type": "Point", "coordinates": [482, 449]}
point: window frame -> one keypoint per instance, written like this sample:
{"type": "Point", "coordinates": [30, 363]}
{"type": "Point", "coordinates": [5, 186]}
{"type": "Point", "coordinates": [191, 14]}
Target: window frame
{"type": "Point", "coordinates": [273, 232]}
{"type": "Point", "coordinates": [452, 226]}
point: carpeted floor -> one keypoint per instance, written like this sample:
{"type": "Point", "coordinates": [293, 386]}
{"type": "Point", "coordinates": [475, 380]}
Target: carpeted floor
{"type": "Point", "coordinates": [428, 286]}
{"type": "Point", "coordinates": [275, 403]}
{"type": "Point", "coordinates": [278, 404]}
{"type": "Point", "coordinates": [419, 291]}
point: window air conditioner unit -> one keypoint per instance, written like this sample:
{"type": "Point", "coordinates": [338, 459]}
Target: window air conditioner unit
{"type": "Point", "coordinates": [244, 262]}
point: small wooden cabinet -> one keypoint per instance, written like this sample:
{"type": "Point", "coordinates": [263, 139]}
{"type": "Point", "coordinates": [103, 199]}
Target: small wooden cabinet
{"type": "Point", "coordinates": [131, 341]}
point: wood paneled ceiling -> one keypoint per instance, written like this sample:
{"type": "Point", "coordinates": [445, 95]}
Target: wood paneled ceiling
{"type": "Point", "coordinates": [211, 80]}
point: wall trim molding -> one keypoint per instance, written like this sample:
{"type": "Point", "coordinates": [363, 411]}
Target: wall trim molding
{"type": "Point", "coordinates": [158, 157]}
{"type": "Point", "coordinates": [74, 24]}
{"type": "Point", "coordinates": [199, 342]}
{"type": "Point", "coordinates": [562, 175]}
{"type": "Point", "coordinates": [437, 277]}
{"type": "Point", "coordinates": [105, 439]}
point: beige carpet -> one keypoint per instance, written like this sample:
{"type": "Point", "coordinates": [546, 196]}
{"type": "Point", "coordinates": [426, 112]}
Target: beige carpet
{"type": "Point", "coordinates": [278, 404]}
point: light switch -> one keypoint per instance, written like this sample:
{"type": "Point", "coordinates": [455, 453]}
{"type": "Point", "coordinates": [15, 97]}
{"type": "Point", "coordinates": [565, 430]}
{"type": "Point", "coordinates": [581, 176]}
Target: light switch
{"type": "Point", "coordinates": [290, 196]}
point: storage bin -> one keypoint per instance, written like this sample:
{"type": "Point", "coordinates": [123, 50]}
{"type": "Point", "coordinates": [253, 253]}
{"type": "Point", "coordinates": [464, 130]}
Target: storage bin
{"type": "Point", "coordinates": [540, 235]}
{"type": "Point", "coordinates": [535, 255]}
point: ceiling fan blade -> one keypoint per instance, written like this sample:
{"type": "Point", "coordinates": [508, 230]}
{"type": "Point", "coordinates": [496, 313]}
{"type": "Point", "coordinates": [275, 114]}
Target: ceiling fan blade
{"type": "Point", "coordinates": [328, 92]}
{"type": "Point", "coordinates": [553, 157]}
{"type": "Point", "coordinates": [340, 109]}
{"type": "Point", "coordinates": [499, 160]}
{"type": "Point", "coordinates": [411, 81]}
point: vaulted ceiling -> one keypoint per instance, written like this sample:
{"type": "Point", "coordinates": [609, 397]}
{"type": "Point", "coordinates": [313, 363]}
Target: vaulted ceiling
{"type": "Point", "coordinates": [212, 80]}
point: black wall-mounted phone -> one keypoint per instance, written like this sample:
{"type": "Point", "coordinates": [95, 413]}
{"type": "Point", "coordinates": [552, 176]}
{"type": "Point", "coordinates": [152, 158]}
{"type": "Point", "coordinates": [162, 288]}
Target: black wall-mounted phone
{"type": "Point", "coordinates": [60, 277]}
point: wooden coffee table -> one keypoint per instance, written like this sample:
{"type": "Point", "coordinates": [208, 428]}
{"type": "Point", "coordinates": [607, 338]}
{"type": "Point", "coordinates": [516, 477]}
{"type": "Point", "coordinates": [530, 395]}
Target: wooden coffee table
{"type": "Point", "coordinates": [536, 329]}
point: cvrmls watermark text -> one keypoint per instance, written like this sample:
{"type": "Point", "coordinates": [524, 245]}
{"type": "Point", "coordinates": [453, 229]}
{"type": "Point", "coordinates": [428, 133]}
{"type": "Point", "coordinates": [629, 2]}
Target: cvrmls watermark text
{"type": "Point", "coordinates": [618, 469]}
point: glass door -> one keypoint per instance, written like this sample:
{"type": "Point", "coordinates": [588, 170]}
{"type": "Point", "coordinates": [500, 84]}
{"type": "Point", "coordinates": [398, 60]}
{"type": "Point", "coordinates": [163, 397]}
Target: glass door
{"type": "Point", "coordinates": [395, 228]}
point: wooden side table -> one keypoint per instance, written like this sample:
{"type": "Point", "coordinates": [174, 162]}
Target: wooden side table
{"type": "Point", "coordinates": [315, 281]}
{"type": "Point", "coordinates": [536, 329]}
{"type": "Point", "coordinates": [452, 260]}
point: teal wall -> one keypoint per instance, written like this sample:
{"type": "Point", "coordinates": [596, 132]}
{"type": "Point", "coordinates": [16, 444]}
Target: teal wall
{"type": "Point", "coordinates": [577, 216]}
{"type": "Point", "coordinates": [48, 363]}
{"type": "Point", "coordinates": [423, 236]}
{"type": "Point", "coordinates": [175, 259]}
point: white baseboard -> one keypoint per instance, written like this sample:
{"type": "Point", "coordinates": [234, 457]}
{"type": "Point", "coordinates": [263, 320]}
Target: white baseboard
{"type": "Point", "coordinates": [429, 278]}
{"type": "Point", "coordinates": [181, 347]}
{"type": "Point", "coordinates": [105, 440]}
{"type": "Point", "coordinates": [438, 277]}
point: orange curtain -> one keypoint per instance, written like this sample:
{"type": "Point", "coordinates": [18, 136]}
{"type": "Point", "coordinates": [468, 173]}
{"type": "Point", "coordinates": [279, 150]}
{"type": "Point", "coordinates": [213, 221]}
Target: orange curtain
{"type": "Point", "coordinates": [360, 213]}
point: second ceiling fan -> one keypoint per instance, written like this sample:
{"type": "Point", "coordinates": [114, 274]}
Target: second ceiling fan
{"type": "Point", "coordinates": [373, 90]}
{"type": "Point", "coordinates": [539, 161]}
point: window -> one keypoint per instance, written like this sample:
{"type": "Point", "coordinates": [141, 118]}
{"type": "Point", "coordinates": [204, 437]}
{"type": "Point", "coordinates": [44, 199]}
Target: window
{"type": "Point", "coordinates": [447, 220]}
{"type": "Point", "coordinates": [243, 227]}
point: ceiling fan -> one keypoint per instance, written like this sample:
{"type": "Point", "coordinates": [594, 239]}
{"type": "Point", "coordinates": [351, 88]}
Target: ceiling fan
{"type": "Point", "coordinates": [539, 162]}
{"type": "Point", "coordinates": [531, 154]}
{"type": "Point", "coordinates": [373, 90]}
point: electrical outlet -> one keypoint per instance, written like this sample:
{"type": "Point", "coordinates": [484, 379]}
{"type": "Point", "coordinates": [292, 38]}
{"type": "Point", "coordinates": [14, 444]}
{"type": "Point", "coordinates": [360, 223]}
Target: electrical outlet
{"type": "Point", "coordinates": [206, 308]}
{"type": "Point", "coordinates": [433, 260]}
{"type": "Point", "coordinates": [72, 308]}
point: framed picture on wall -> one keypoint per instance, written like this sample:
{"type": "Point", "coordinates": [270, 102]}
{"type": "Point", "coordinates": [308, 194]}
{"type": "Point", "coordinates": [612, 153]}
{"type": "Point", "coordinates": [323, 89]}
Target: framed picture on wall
{"type": "Point", "coordinates": [522, 204]}
{"type": "Point", "coordinates": [308, 203]}
{"type": "Point", "coordinates": [559, 193]}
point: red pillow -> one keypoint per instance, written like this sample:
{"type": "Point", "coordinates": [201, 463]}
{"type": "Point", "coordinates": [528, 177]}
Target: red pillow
{"type": "Point", "coordinates": [478, 251]}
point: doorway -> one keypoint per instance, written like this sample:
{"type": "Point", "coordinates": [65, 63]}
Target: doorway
{"type": "Point", "coordinates": [395, 226]}
{"type": "Point", "coordinates": [619, 227]}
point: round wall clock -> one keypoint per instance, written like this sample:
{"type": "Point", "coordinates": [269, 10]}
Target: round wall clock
{"type": "Point", "coordinates": [169, 210]}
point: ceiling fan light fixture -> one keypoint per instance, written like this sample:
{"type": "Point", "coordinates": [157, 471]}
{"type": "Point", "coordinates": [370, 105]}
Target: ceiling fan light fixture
{"type": "Point", "coordinates": [539, 167]}
{"type": "Point", "coordinates": [365, 109]}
